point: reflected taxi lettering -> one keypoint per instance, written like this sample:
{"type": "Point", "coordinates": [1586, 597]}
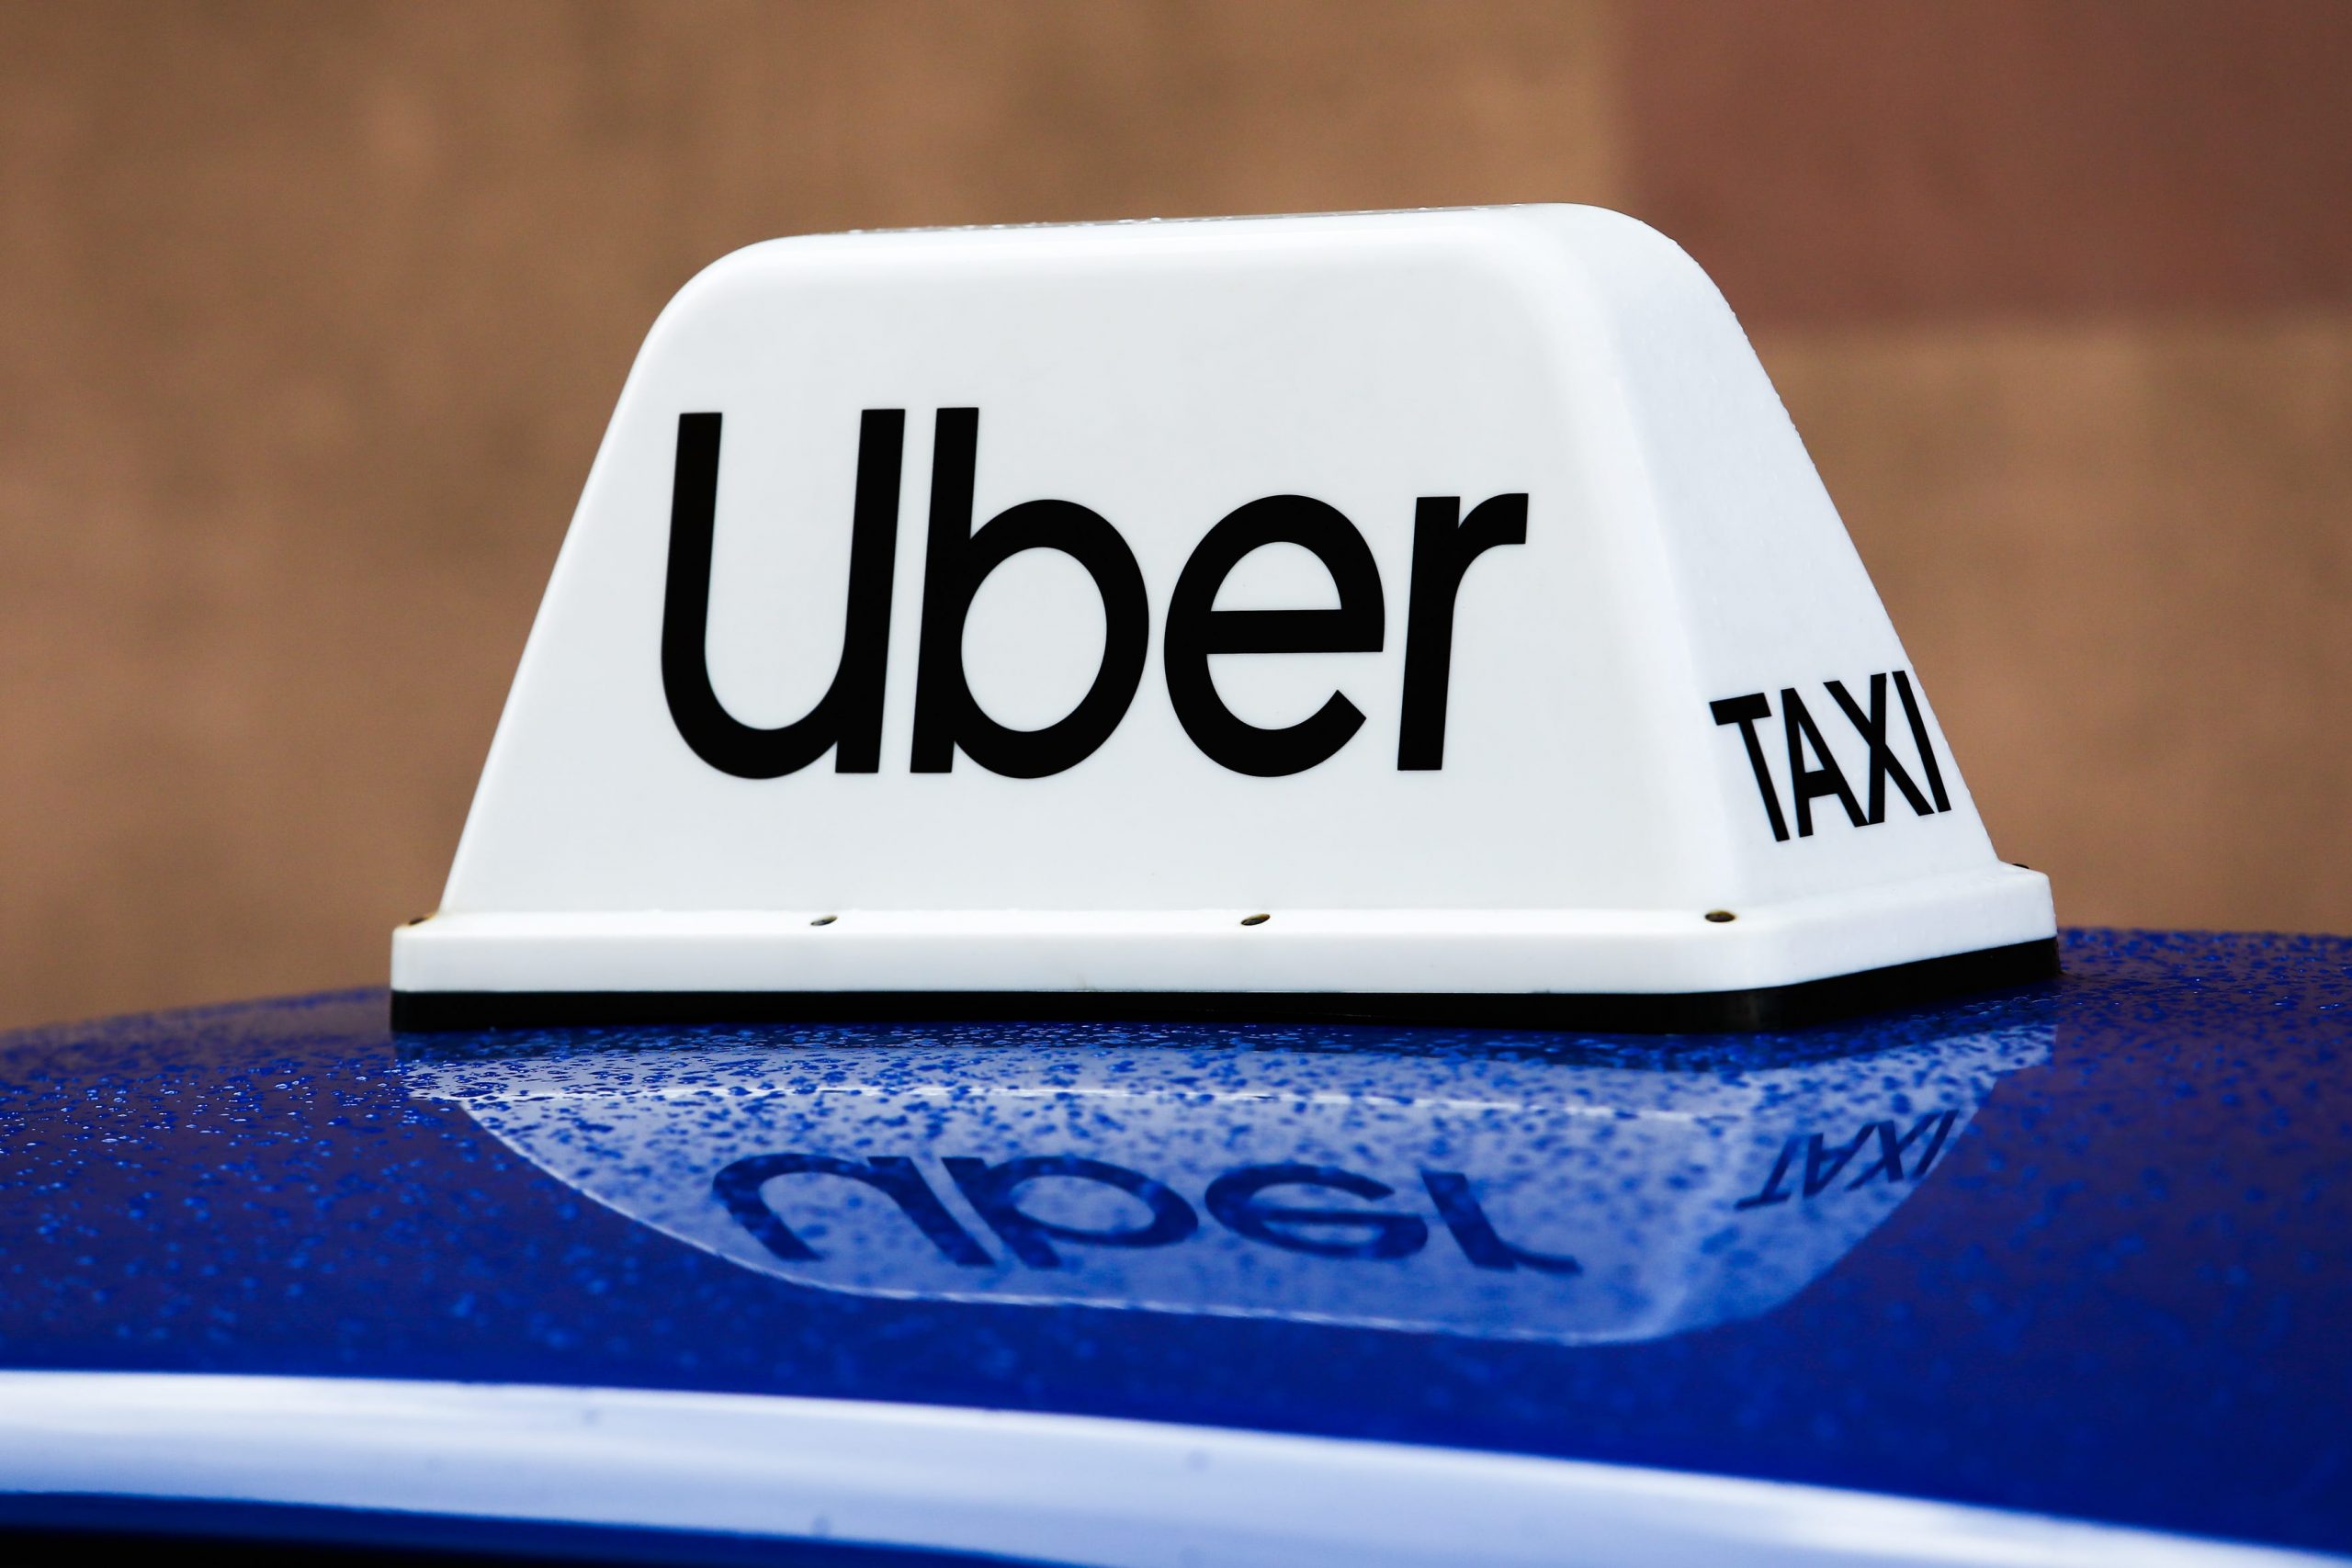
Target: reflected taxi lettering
{"type": "Point", "coordinates": [1825, 1163]}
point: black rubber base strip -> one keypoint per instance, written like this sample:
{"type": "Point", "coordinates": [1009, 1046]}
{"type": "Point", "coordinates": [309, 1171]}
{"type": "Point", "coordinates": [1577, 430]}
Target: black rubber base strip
{"type": "Point", "coordinates": [1769, 1006]}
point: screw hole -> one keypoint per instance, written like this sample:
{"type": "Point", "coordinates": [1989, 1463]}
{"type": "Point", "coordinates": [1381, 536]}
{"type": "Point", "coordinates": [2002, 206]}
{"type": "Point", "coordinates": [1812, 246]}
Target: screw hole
{"type": "Point", "coordinates": [1721, 917]}
{"type": "Point", "coordinates": [824, 920]}
{"type": "Point", "coordinates": [1255, 920]}
{"type": "Point", "coordinates": [416, 920]}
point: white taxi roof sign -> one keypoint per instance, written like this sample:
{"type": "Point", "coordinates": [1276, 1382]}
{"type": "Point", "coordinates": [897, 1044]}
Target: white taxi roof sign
{"type": "Point", "coordinates": [1404, 615]}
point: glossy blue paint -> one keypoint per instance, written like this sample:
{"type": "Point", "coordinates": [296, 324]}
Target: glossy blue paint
{"type": "Point", "coordinates": [2114, 1285]}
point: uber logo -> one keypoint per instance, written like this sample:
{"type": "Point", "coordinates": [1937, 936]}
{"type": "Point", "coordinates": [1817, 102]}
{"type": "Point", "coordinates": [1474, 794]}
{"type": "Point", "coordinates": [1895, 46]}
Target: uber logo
{"type": "Point", "coordinates": [847, 720]}
{"type": "Point", "coordinates": [1814, 773]}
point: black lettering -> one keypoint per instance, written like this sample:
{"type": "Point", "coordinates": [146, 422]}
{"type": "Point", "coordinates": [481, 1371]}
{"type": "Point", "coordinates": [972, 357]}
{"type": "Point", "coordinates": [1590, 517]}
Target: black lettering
{"type": "Point", "coordinates": [739, 1187]}
{"type": "Point", "coordinates": [848, 719]}
{"type": "Point", "coordinates": [994, 1191]}
{"type": "Point", "coordinates": [1823, 1165]}
{"type": "Point", "coordinates": [1891, 1149]}
{"type": "Point", "coordinates": [1234, 1199]}
{"type": "Point", "coordinates": [1943, 1121]}
{"type": "Point", "coordinates": [1807, 784]}
{"type": "Point", "coordinates": [1748, 712]}
{"type": "Point", "coordinates": [956, 560]}
{"type": "Point", "coordinates": [1821, 1168]}
{"type": "Point", "coordinates": [1918, 723]}
{"type": "Point", "coordinates": [1873, 728]}
{"type": "Point", "coordinates": [1774, 1191]}
{"type": "Point", "coordinates": [1889, 1162]}
{"type": "Point", "coordinates": [1443, 551]}
{"type": "Point", "coordinates": [1466, 1218]}
{"type": "Point", "coordinates": [1196, 629]}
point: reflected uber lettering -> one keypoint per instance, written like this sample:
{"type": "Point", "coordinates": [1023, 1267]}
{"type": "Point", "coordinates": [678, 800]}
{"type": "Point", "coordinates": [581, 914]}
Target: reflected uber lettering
{"type": "Point", "coordinates": [1237, 1199]}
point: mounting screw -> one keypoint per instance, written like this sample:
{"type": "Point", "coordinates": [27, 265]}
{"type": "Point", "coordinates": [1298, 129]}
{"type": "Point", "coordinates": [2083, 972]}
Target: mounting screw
{"type": "Point", "coordinates": [824, 920]}
{"type": "Point", "coordinates": [1721, 917]}
{"type": "Point", "coordinates": [1255, 920]}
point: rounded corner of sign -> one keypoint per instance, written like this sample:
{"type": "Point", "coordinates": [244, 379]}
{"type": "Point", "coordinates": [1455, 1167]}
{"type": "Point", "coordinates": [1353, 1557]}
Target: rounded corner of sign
{"type": "Point", "coordinates": [1595, 281]}
{"type": "Point", "coordinates": [2016, 874]}
{"type": "Point", "coordinates": [1586, 220]}
{"type": "Point", "coordinates": [407, 939]}
{"type": "Point", "coordinates": [706, 287]}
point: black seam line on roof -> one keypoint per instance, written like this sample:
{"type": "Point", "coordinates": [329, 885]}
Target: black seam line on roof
{"type": "Point", "coordinates": [1796, 1006]}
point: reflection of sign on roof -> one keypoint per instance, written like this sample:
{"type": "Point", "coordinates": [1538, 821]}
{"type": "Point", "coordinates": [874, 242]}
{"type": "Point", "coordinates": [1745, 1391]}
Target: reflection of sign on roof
{"type": "Point", "coordinates": [1435, 1189]}
{"type": "Point", "coordinates": [1398, 613]}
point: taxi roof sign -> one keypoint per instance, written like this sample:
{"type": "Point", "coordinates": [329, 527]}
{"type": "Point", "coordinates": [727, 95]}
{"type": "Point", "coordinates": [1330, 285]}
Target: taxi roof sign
{"type": "Point", "coordinates": [1405, 615]}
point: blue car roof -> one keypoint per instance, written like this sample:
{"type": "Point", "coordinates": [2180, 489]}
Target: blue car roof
{"type": "Point", "coordinates": [2079, 1249]}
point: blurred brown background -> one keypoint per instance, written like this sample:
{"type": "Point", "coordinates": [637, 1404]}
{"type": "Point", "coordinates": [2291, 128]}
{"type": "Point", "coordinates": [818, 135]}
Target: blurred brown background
{"type": "Point", "coordinates": [312, 314]}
